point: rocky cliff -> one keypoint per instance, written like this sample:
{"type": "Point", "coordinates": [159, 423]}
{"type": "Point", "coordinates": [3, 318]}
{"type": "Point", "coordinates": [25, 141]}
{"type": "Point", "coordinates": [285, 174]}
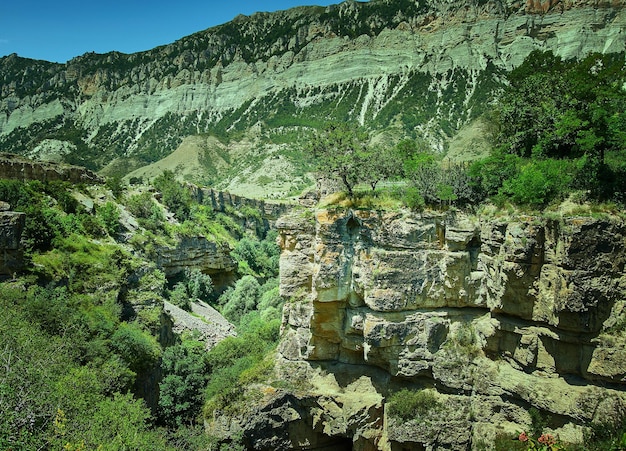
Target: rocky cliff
{"type": "Point", "coordinates": [404, 67]}
{"type": "Point", "coordinates": [16, 168]}
{"type": "Point", "coordinates": [11, 254]}
{"type": "Point", "coordinates": [491, 317]}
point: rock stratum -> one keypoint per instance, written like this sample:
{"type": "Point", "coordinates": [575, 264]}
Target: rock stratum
{"type": "Point", "coordinates": [405, 67]}
{"type": "Point", "coordinates": [491, 317]}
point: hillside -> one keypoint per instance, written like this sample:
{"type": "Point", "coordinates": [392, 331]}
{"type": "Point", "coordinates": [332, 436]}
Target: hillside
{"type": "Point", "coordinates": [260, 84]}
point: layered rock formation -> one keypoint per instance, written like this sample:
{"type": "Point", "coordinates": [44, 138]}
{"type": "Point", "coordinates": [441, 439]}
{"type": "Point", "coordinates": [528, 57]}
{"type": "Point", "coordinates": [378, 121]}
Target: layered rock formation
{"type": "Point", "coordinates": [17, 168]}
{"type": "Point", "coordinates": [425, 67]}
{"type": "Point", "coordinates": [492, 316]}
{"type": "Point", "coordinates": [195, 252]}
{"type": "Point", "coordinates": [11, 254]}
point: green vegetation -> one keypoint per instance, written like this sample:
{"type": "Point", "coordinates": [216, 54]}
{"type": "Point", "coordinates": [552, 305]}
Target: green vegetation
{"type": "Point", "coordinates": [80, 331]}
{"type": "Point", "coordinates": [407, 405]}
{"type": "Point", "coordinates": [557, 131]}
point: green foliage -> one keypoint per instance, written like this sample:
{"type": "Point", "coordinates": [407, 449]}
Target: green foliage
{"type": "Point", "coordinates": [242, 299]}
{"type": "Point", "coordinates": [194, 285]}
{"type": "Point", "coordinates": [489, 174]}
{"type": "Point", "coordinates": [340, 152]}
{"type": "Point", "coordinates": [539, 182]}
{"type": "Point", "coordinates": [116, 185]}
{"type": "Point", "coordinates": [86, 266]}
{"type": "Point", "coordinates": [571, 110]}
{"type": "Point", "coordinates": [137, 347]}
{"type": "Point", "coordinates": [118, 423]}
{"type": "Point", "coordinates": [174, 196]}
{"type": "Point", "coordinates": [148, 213]}
{"type": "Point", "coordinates": [414, 199]}
{"type": "Point", "coordinates": [237, 361]}
{"type": "Point", "coordinates": [185, 374]}
{"type": "Point", "coordinates": [59, 379]}
{"type": "Point", "coordinates": [258, 258]}
{"type": "Point", "coordinates": [408, 405]}
{"type": "Point", "coordinates": [109, 214]}
{"type": "Point", "coordinates": [425, 174]}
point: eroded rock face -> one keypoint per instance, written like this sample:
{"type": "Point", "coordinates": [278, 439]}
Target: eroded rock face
{"type": "Point", "coordinates": [500, 315]}
{"type": "Point", "coordinates": [18, 168]}
{"type": "Point", "coordinates": [196, 252]}
{"type": "Point", "coordinates": [11, 254]}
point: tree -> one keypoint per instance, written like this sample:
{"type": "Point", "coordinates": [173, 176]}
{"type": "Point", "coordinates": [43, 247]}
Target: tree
{"type": "Point", "coordinates": [242, 299]}
{"type": "Point", "coordinates": [382, 163]}
{"type": "Point", "coordinates": [425, 174]}
{"type": "Point", "coordinates": [340, 151]}
{"type": "Point", "coordinates": [138, 348]}
{"type": "Point", "coordinates": [185, 376]}
{"type": "Point", "coordinates": [110, 217]}
{"type": "Point", "coordinates": [175, 197]}
{"type": "Point", "coordinates": [566, 110]}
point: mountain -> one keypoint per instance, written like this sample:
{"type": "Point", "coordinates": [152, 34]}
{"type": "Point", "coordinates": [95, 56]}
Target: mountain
{"type": "Point", "coordinates": [232, 106]}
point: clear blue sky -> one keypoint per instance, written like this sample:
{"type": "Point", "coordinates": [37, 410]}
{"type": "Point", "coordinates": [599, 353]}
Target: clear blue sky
{"type": "Point", "coordinates": [60, 30]}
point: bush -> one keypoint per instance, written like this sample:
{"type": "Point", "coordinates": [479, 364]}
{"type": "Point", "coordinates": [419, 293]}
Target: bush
{"type": "Point", "coordinates": [109, 214]}
{"type": "Point", "coordinates": [259, 258]}
{"type": "Point", "coordinates": [175, 197]}
{"type": "Point", "coordinates": [138, 348]}
{"type": "Point", "coordinates": [242, 299]}
{"type": "Point", "coordinates": [237, 361]}
{"type": "Point", "coordinates": [116, 185]}
{"type": "Point", "coordinates": [413, 199]}
{"type": "Point", "coordinates": [539, 182]}
{"type": "Point", "coordinates": [409, 405]}
{"type": "Point", "coordinates": [489, 174]}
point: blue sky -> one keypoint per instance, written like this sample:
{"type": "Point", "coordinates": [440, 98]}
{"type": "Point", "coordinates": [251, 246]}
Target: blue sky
{"type": "Point", "coordinates": [60, 30]}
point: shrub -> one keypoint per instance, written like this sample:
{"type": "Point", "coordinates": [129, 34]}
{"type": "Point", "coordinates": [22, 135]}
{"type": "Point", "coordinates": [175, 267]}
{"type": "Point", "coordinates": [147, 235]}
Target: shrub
{"type": "Point", "coordinates": [174, 196]}
{"type": "Point", "coordinates": [109, 214]}
{"type": "Point", "coordinates": [138, 348]}
{"type": "Point", "coordinates": [116, 185]}
{"type": "Point", "coordinates": [539, 182]}
{"type": "Point", "coordinates": [408, 405]}
{"type": "Point", "coordinates": [489, 174]}
{"type": "Point", "coordinates": [413, 199]}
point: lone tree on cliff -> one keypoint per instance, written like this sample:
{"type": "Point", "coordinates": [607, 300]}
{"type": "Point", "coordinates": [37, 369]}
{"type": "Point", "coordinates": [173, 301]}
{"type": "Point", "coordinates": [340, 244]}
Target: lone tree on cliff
{"type": "Point", "coordinates": [340, 151]}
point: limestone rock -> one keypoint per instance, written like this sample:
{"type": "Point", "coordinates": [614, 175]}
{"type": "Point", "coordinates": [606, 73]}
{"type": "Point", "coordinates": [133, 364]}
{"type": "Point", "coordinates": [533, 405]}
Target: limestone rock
{"type": "Point", "coordinates": [11, 228]}
{"type": "Point", "coordinates": [195, 252]}
{"type": "Point", "coordinates": [500, 312]}
{"type": "Point", "coordinates": [18, 168]}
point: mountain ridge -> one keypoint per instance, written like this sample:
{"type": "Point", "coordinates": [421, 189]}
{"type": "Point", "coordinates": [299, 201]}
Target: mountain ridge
{"type": "Point", "coordinates": [402, 68]}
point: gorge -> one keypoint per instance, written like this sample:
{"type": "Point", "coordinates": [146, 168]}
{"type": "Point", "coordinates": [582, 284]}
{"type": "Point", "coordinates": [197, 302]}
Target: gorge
{"type": "Point", "coordinates": [178, 274]}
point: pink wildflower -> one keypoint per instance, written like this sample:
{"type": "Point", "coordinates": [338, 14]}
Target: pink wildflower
{"type": "Point", "coordinates": [523, 437]}
{"type": "Point", "coordinates": [546, 439]}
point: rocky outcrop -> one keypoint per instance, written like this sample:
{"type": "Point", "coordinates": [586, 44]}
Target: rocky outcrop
{"type": "Point", "coordinates": [196, 252]}
{"type": "Point", "coordinates": [256, 215]}
{"type": "Point", "coordinates": [209, 325]}
{"type": "Point", "coordinates": [11, 227]}
{"type": "Point", "coordinates": [498, 315]}
{"type": "Point", "coordinates": [225, 202]}
{"type": "Point", "coordinates": [17, 168]}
